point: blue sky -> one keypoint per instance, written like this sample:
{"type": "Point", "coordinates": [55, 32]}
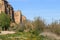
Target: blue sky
{"type": "Point", "coordinates": [46, 9]}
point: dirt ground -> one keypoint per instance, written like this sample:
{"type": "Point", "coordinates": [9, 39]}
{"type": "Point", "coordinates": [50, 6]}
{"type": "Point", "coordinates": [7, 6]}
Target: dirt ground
{"type": "Point", "coordinates": [7, 32]}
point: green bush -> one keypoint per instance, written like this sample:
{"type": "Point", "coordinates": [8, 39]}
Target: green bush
{"type": "Point", "coordinates": [4, 21]}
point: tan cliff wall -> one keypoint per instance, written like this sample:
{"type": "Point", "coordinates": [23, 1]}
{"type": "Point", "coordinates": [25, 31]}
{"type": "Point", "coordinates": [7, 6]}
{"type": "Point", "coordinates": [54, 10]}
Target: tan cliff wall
{"type": "Point", "coordinates": [2, 6]}
{"type": "Point", "coordinates": [7, 8]}
{"type": "Point", "coordinates": [23, 19]}
{"type": "Point", "coordinates": [15, 16]}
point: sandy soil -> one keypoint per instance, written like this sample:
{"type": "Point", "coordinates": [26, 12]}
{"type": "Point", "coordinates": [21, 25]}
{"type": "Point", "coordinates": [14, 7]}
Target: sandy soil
{"type": "Point", "coordinates": [7, 32]}
{"type": "Point", "coordinates": [51, 35]}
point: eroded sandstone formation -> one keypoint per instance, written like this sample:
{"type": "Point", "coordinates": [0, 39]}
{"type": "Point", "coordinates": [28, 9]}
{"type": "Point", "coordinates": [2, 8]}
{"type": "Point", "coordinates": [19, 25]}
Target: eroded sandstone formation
{"type": "Point", "coordinates": [15, 16]}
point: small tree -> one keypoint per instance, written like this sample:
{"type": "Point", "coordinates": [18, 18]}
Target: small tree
{"type": "Point", "coordinates": [38, 25]}
{"type": "Point", "coordinates": [4, 21]}
{"type": "Point", "coordinates": [55, 27]}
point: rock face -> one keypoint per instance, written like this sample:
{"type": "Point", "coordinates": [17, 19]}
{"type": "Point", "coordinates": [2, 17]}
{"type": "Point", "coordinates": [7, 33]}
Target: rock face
{"type": "Point", "coordinates": [23, 19]}
{"type": "Point", "coordinates": [19, 18]}
{"type": "Point", "coordinates": [16, 16]}
{"type": "Point", "coordinates": [7, 8]}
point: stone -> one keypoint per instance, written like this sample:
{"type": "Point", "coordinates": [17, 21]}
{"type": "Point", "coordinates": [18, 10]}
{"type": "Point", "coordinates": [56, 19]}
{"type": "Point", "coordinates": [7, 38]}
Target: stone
{"type": "Point", "coordinates": [15, 16]}
{"type": "Point", "coordinates": [18, 17]}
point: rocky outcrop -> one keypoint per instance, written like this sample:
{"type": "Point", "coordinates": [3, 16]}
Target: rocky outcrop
{"type": "Point", "coordinates": [15, 16]}
{"type": "Point", "coordinates": [50, 35]}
